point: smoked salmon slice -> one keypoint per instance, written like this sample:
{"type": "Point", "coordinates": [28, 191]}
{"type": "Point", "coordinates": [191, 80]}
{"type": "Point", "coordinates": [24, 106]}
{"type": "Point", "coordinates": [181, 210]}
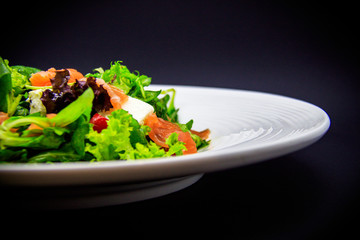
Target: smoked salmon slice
{"type": "Point", "coordinates": [162, 129]}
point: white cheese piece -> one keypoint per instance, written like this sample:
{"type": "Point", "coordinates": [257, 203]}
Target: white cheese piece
{"type": "Point", "coordinates": [138, 109]}
{"type": "Point", "coordinates": [36, 104]}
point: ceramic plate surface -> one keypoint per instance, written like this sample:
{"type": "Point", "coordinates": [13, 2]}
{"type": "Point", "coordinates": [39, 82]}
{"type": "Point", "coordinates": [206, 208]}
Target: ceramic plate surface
{"type": "Point", "coordinates": [246, 127]}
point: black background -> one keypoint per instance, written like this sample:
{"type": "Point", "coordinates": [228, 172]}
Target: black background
{"type": "Point", "coordinates": [303, 50]}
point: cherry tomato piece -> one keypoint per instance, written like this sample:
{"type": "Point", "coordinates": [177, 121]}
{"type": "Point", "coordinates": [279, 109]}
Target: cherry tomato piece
{"type": "Point", "coordinates": [100, 122]}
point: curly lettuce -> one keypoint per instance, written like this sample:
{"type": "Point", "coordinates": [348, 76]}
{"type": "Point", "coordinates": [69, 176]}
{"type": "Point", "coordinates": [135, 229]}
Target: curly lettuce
{"type": "Point", "coordinates": [125, 139]}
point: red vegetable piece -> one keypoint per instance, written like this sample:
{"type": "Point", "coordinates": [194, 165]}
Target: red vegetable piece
{"type": "Point", "coordinates": [100, 122]}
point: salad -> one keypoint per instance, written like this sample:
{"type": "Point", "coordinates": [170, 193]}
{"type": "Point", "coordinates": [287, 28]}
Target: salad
{"type": "Point", "coordinates": [61, 115]}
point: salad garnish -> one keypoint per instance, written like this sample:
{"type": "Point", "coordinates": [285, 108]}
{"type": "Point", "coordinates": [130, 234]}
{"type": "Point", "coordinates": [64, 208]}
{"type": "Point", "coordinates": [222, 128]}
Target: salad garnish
{"type": "Point", "coordinates": [61, 115]}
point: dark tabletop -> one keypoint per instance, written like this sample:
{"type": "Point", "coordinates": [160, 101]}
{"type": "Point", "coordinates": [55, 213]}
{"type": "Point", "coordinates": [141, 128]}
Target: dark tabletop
{"type": "Point", "coordinates": [303, 50]}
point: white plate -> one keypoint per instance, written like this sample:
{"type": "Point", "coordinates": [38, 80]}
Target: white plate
{"type": "Point", "coordinates": [246, 127]}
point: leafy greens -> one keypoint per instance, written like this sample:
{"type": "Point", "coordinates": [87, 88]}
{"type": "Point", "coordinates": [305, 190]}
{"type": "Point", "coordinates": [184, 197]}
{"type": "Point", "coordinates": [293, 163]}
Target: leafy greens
{"type": "Point", "coordinates": [30, 136]}
{"type": "Point", "coordinates": [50, 133]}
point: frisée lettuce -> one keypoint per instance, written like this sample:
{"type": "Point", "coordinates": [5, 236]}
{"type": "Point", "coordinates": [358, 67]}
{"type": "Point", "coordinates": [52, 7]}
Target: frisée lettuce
{"type": "Point", "coordinates": [124, 138]}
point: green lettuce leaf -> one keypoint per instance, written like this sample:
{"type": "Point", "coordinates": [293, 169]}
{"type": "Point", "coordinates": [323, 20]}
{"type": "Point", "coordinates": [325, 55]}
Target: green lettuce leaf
{"type": "Point", "coordinates": [119, 75]}
{"type": "Point", "coordinates": [19, 81]}
{"type": "Point", "coordinates": [80, 129]}
{"type": "Point", "coordinates": [54, 156]}
{"type": "Point", "coordinates": [131, 83]}
{"type": "Point", "coordinates": [50, 138]}
{"type": "Point", "coordinates": [6, 86]}
{"type": "Point", "coordinates": [175, 146]}
{"type": "Point", "coordinates": [12, 81]}
{"type": "Point", "coordinates": [125, 139]}
{"type": "Point", "coordinates": [25, 70]}
{"type": "Point", "coordinates": [151, 150]}
{"type": "Point", "coordinates": [114, 141]}
{"type": "Point", "coordinates": [8, 155]}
